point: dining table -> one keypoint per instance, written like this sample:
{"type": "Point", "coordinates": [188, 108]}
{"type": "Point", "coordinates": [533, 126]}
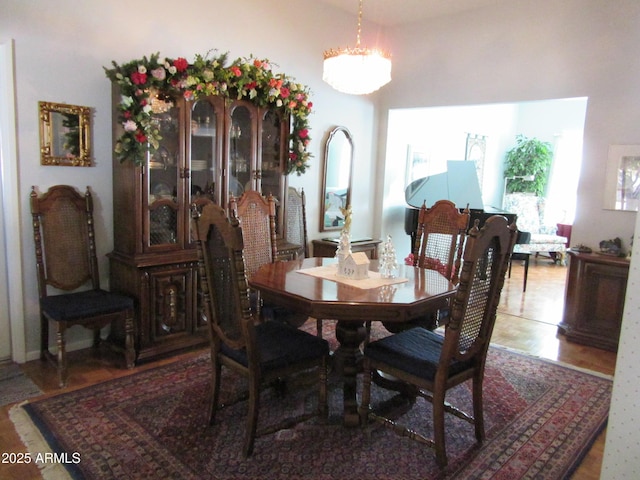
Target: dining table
{"type": "Point", "coordinates": [311, 286]}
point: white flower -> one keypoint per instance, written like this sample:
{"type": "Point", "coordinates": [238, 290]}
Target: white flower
{"type": "Point", "coordinates": [126, 100]}
{"type": "Point", "coordinates": [142, 69]}
{"type": "Point", "coordinates": [279, 102]}
{"type": "Point", "coordinates": [130, 126]}
{"type": "Point", "coordinates": [207, 75]}
{"type": "Point", "coordinates": [172, 70]}
{"type": "Point", "coordinates": [147, 109]}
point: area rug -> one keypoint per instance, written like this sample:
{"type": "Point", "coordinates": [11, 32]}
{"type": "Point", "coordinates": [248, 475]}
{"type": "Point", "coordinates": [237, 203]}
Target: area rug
{"type": "Point", "coordinates": [541, 418]}
{"type": "Point", "coordinates": [15, 386]}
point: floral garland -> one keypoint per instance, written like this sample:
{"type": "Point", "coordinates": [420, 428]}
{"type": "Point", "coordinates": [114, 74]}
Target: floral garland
{"type": "Point", "coordinates": [250, 78]}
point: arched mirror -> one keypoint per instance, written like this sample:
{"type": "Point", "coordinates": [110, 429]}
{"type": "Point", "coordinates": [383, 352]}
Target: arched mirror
{"type": "Point", "coordinates": [336, 178]}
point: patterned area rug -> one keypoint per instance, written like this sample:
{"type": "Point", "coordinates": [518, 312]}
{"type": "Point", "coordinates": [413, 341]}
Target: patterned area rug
{"type": "Point", "coordinates": [541, 418]}
{"type": "Point", "coordinates": [15, 386]}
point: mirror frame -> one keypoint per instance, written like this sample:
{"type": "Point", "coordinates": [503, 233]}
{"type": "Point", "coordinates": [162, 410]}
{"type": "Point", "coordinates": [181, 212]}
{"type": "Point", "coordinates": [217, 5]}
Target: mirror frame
{"type": "Point", "coordinates": [335, 132]}
{"type": "Point", "coordinates": [54, 136]}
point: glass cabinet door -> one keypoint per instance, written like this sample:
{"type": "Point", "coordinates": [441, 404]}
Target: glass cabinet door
{"type": "Point", "coordinates": [162, 185]}
{"type": "Point", "coordinates": [272, 154]}
{"type": "Point", "coordinates": [204, 152]}
{"type": "Point", "coordinates": [242, 149]}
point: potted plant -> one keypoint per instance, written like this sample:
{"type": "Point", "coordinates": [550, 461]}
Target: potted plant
{"type": "Point", "coordinates": [530, 158]}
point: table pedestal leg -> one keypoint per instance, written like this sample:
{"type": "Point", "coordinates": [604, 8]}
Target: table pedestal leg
{"type": "Point", "coordinates": [350, 335]}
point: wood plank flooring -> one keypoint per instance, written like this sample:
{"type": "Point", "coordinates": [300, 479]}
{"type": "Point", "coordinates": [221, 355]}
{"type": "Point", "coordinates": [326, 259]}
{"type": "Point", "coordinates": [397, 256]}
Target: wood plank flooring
{"type": "Point", "coordinates": [526, 322]}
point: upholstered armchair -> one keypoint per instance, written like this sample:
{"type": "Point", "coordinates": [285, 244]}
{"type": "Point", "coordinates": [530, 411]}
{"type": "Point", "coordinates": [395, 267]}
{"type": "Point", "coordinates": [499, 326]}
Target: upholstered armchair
{"type": "Point", "coordinates": [544, 239]}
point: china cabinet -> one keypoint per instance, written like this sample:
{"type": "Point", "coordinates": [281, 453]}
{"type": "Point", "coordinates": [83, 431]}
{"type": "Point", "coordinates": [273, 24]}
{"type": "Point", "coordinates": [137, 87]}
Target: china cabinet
{"type": "Point", "coordinates": [210, 148]}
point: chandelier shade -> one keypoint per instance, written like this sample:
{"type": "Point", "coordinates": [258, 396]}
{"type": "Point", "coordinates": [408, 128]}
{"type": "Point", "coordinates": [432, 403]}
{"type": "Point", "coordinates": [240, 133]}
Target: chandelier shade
{"type": "Point", "coordinates": [357, 71]}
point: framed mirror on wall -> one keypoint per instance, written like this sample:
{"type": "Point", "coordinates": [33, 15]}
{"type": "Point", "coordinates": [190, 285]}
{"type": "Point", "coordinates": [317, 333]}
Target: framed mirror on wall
{"type": "Point", "coordinates": [622, 187]}
{"type": "Point", "coordinates": [336, 179]}
{"type": "Point", "coordinates": [65, 132]}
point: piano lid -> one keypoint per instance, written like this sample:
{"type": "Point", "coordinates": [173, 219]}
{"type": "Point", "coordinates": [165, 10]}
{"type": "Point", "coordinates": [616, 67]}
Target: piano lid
{"type": "Point", "coordinates": [458, 184]}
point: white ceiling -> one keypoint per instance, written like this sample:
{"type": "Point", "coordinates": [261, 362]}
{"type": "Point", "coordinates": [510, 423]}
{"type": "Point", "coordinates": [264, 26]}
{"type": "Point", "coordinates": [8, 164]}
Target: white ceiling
{"type": "Point", "coordinates": [396, 12]}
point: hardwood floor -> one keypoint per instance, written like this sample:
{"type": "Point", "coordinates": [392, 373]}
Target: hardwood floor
{"type": "Point", "coordinates": [526, 322]}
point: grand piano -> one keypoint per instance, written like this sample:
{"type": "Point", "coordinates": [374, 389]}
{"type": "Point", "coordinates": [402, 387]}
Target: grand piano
{"type": "Point", "coordinates": [458, 184]}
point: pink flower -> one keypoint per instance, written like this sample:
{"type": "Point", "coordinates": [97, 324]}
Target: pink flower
{"type": "Point", "coordinates": [409, 259]}
{"type": "Point", "coordinates": [236, 71]}
{"type": "Point", "coordinates": [304, 133]}
{"type": "Point", "coordinates": [130, 126]}
{"type": "Point", "coordinates": [284, 92]}
{"type": "Point", "coordinates": [159, 73]}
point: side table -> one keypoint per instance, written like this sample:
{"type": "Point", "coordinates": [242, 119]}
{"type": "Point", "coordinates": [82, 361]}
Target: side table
{"type": "Point", "coordinates": [327, 247]}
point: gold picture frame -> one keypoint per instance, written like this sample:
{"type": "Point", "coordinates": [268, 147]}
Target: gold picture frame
{"type": "Point", "coordinates": [65, 133]}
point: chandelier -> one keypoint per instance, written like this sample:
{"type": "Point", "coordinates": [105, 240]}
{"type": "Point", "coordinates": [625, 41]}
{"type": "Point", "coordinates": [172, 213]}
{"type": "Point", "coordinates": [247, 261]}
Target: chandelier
{"type": "Point", "coordinates": [357, 70]}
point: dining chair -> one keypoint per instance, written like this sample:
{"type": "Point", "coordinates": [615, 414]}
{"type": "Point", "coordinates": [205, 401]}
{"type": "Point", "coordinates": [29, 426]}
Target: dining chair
{"type": "Point", "coordinates": [440, 237]}
{"type": "Point", "coordinates": [296, 219]}
{"type": "Point", "coordinates": [68, 278]}
{"type": "Point", "coordinates": [257, 216]}
{"type": "Point", "coordinates": [263, 352]}
{"type": "Point", "coordinates": [433, 362]}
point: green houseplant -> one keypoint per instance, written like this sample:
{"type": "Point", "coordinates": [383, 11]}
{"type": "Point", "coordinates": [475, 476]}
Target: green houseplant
{"type": "Point", "coordinates": [530, 156]}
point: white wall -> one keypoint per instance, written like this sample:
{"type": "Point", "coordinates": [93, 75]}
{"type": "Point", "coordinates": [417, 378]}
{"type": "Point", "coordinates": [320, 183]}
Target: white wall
{"type": "Point", "coordinates": [532, 50]}
{"type": "Point", "coordinates": [621, 458]}
{"type": "Point", "coordinates": [61, 48]}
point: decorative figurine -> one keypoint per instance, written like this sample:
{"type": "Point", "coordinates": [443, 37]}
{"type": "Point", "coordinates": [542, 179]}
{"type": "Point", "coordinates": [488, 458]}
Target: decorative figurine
{"type": "Point", "coordinates": [350, 265]}
{"type": "Point", "coordinates": [388, 260]}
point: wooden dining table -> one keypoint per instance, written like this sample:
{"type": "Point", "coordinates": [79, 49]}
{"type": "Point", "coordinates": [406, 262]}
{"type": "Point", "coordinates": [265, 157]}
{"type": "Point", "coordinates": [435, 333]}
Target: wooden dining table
{"type": "Point", "coordinates": [417, 293]}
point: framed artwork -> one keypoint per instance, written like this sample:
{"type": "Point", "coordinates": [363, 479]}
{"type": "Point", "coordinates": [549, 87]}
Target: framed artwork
{"type": "Point", "coordinates": [622, 187]}
{"type": "Point", "coordinates": [65, 133]}
{"type": "Point", "coordinates": [475, 151]}
{"type": "Point", "coordinates": [418, 163]}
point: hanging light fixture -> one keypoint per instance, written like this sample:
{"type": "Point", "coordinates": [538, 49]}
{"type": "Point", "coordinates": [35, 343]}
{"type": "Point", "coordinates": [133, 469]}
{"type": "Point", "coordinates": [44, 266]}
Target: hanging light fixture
{"type": "Point", "coordinates": [357, 70]}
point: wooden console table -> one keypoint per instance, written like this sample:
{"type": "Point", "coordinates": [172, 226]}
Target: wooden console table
{"type": "Point", "coordinates": [594, 299]}
{"type": "Point", "coordinates": [327, 248]}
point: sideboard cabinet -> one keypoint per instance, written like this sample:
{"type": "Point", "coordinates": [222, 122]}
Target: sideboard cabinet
{"type": "Point", "coordinates": [594, 299]}
{"type": "Point", "coordinates": [210, 149]}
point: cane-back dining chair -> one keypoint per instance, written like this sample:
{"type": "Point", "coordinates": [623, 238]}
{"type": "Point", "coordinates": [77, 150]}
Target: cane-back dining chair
{"type": "Point", "coordinates": [433, 363]}
{"type": "Point", "coordinates": [296, 220]}
{"type": "Point", "coordinates": [66, 260]}
{"type": "Point", "coordinates": [263, 352]}
{"type": "Point", "coordinates": [440, 237]}
{"type": "Point", "coordinates": [257, 217]}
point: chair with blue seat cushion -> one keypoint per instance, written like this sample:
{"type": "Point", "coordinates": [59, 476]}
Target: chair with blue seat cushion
{"type": "Point", "coordinates": [433, 363]}
{"type": "Point", "coordinates": [263, 352]}
{"type": "Point", "coordinates": [66, 260]}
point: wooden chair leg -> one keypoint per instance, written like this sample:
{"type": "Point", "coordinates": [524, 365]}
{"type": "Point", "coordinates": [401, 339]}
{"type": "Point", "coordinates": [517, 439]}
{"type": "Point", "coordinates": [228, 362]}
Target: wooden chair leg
{"type": "Point", "coordinates": [438, 427]}
{"type": "Point", "coordinates": [62, 355]}
{"type": "Point", "coordinates": [129, 348]}
{"type": "Point", "coordinates": [252, 415]}
{"type": "Point", "coordinates": [322, 396]}
{"type": "Point", "coordinates": [478, 415]}
{"type": "Point", "coordinates": [216, 372]}
{"type": "Point", "coordinates": [44, 337]}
